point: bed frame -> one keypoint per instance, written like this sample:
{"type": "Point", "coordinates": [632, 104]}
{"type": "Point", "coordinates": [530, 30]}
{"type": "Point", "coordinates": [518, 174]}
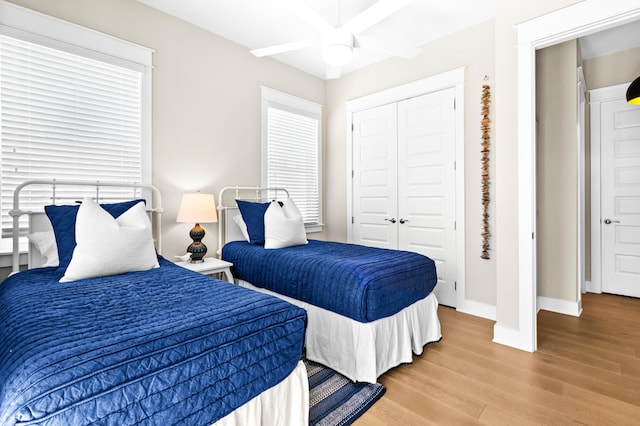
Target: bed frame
{"type": "Point", "coordinates": [38, 220]}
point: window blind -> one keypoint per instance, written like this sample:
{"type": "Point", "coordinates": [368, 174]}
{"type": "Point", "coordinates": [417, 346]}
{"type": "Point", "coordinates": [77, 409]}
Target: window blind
{"type": "Point", "coordinates": [292, 158]}
{"type": "Point", "coordinates": [65, 116]}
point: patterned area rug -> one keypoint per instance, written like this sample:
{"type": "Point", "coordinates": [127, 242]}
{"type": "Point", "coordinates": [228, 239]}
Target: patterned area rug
{"type": "Point", "coordinates": [335, 400]}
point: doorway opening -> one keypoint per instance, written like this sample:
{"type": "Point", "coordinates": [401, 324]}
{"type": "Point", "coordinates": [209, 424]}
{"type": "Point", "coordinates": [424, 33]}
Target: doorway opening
{"type": "Point", "coordinates": [565, 24]}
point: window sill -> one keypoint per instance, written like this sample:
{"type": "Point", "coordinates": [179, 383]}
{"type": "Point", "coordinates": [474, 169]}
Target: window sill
{"type": "Point", "coordinates": [313, 228]}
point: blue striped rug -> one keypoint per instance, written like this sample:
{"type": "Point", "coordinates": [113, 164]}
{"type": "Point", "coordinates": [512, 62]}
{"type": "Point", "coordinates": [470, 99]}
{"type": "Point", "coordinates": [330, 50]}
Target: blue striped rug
{"type": "Point", "coordinates": [335, 400]}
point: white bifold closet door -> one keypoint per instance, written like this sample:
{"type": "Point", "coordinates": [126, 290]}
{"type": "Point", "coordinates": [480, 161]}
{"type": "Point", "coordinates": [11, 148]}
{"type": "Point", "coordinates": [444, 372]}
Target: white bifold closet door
{"type": "Point", "coordinates": [404, 181]}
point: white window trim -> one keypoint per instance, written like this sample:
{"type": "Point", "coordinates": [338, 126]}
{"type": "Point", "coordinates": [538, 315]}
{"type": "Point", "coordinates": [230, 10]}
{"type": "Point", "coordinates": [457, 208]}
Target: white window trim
{"type": "Point", "coordinates": [39, 28]}
{"type": "Point", "coordinates": [299, 105]}
{"type": "Point", "coordinates": [26, 24]}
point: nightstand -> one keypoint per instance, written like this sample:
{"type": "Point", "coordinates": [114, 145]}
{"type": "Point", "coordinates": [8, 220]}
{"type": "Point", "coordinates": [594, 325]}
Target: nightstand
{"type": "Point", "coordinates": [210, 266]}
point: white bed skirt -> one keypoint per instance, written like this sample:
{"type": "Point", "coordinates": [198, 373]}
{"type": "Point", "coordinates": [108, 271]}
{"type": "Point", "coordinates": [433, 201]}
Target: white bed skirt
{"type": "Point", "coordinates": [285, 404]}
{"type": "Point", "coordinates": [364, 351]}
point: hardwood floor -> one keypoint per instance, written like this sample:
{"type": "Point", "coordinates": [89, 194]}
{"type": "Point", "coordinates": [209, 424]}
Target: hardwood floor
{"type": "Point", "coordinates": [586, 371]}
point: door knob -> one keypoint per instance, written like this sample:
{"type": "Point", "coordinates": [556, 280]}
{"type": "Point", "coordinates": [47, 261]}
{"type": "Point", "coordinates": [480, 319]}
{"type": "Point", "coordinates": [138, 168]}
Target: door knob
{"type": "Point", "coordinates": [403, 221]}
{"type": "Point", "coordinates": [392, 220]}
{"type": "Point", "coordinates": [609, 221]}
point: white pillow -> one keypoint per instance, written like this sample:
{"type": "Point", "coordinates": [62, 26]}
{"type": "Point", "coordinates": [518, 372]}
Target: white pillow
{"type": "Point", "coordinates": [283, 226]}
{"type": "Point", "coordinates": [243, 226]}
{"type": "Point", "coordinates": [108, 246]}
{"type": "Point", "coordinates": [45, 243]}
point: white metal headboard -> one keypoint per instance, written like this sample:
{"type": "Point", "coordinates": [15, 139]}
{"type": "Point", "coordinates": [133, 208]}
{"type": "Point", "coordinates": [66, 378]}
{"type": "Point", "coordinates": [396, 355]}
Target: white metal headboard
{"type": "Point", "coordinates": [16, 212]}
{"type": "Point", "coordinates": [228, 208]}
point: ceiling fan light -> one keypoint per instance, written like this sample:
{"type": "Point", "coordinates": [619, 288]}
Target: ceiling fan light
{"type": "Point", "coordinates": [633, 92]}
{"type": "Point", "coordinates": [337, 54]}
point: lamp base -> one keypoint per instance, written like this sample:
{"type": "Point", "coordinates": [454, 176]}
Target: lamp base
{"type": "Point", "coordinates": [197, 247]}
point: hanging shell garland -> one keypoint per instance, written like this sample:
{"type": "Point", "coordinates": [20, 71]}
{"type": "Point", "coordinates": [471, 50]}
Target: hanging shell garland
{"type": "Point", "coordinates": [485, 145]}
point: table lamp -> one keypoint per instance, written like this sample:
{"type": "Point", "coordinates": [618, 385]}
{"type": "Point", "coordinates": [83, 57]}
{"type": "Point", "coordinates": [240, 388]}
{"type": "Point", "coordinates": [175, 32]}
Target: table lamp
{"type": "Point", "coordinates": [198, 208]}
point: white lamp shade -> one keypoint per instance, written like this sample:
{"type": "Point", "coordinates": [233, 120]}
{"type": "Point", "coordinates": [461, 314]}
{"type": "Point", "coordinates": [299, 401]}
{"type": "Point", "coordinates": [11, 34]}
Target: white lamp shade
{"type": "Point", "coordinates": [197, 208]}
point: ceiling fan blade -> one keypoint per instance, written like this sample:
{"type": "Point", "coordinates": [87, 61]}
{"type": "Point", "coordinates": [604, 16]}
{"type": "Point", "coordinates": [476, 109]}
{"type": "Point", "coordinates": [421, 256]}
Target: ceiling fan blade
{"type": "Point", "coordinates": [375, 14]}
{"type": "Point", "coordinates": [380, 46]}
{"type": "Point", "coordinates": [333, 72]}
{"type": "Point", "coordinates": [308, 15]}
{"type": "Point", "coordinates": [281, 48]}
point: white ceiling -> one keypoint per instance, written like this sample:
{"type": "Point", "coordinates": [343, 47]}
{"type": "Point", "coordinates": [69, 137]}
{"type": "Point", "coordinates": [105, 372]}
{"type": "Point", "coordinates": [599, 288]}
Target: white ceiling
{"type": "Point", "coordinates": [610, 41]}
{"type": "Point", "coordinates": [261, 23]}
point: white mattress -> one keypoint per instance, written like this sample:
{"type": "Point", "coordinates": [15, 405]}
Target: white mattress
{"type": "Point", "coordinates": [364, 351]}
{"type": "Point", "coordinates": [285, 404]}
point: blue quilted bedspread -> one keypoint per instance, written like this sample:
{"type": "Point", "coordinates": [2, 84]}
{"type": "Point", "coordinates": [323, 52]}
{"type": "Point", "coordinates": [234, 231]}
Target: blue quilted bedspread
{"type": "Point", "coordinates": [160, 347]}
{"type": "Point", "coordinates": [362, 283]}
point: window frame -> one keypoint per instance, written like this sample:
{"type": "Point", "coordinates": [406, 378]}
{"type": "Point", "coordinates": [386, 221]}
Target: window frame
{"type": "Point", "coordinates": [296, 105]}
{"type": "Point", "coordinates": [25, 24]}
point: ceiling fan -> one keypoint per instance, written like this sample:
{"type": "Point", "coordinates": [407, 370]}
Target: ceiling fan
{"type": "Point", "coordinates": [339, 42]}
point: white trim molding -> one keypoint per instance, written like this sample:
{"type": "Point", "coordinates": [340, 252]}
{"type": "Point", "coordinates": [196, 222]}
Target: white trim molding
{"type": "Point", "coordinates": [565, 24]}
{"type": "Point", "coordinates": [560, 306]}
{"type": "Point", "coordinates": [477, 309]}
{"type": "Point", "coordinates": [449, 79]}
{"type": "Point", "coordinates": [591, 289]}
{"type": "Point", "coordinates": [29, 25]}
{"type": "Point", "coordinates": [511, 337]}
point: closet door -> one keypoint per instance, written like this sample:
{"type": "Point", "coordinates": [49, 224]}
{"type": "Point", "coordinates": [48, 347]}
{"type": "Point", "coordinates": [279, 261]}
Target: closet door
{"type": "Point", "coordinates": [426, 184]}
{"type": "Point", "coordinates": [375, 178]}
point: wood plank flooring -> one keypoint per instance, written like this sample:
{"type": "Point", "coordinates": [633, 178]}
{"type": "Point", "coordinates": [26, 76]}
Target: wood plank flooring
{"type": "Point", "coordinates": [586, 372]}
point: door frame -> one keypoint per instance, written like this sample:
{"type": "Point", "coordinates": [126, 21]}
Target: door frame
{"type": "Point", "coordinates": [582, 179]}
{"type": "Point", "coordinates": [449, 79]}
{"type": "Point", "coordinates": [565, 24]}
{"type": "Point", "coordinates": [597, 96]}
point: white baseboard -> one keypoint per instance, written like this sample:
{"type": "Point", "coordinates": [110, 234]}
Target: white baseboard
{"type": "Point", "coordinates": [477, 309]}
{"type": "Point", "coordinates": [560, 306]}
{"type": "Point", "coordinates": [513, 338]}
{"type": "Point", "coordinates": [593, 287]}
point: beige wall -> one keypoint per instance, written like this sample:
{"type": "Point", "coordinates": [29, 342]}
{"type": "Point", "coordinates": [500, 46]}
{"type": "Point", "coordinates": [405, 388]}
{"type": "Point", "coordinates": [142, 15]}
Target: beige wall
{"type": "Point", "coordinates": [471, 48]}
{"type": "Point", "coordinates": [557, 171]}
{"type": "Point", "coordinates": [206, 101]}
{"type": "Point", "coordinates": [609, 70]}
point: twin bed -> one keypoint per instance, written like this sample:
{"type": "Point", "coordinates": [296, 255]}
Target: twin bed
{"type": "Point", "coordinates": [165, 345]}
{"type": "Point", "coordinates": [158, 346]}
{"type": "Point", "coordinates": [368, 309]}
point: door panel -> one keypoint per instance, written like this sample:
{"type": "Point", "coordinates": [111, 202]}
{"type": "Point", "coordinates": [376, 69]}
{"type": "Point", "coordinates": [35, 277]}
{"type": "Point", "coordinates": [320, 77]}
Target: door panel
{"type": "Point", "coordinates": [375, 177]}
{"type": "Point", "coordinates": [620, 198]}
{"type": "Point", "coordinates": [426, 184]}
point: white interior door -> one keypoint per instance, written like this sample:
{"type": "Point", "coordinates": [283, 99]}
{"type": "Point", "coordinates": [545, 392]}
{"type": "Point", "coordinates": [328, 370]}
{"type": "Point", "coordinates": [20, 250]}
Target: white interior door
{"type": "Point", "coordinates": [375, 179]}
{"type": "Point", "coordinates": [426, 184]}
{"type": "Point", "coordinates": [620, 198]}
